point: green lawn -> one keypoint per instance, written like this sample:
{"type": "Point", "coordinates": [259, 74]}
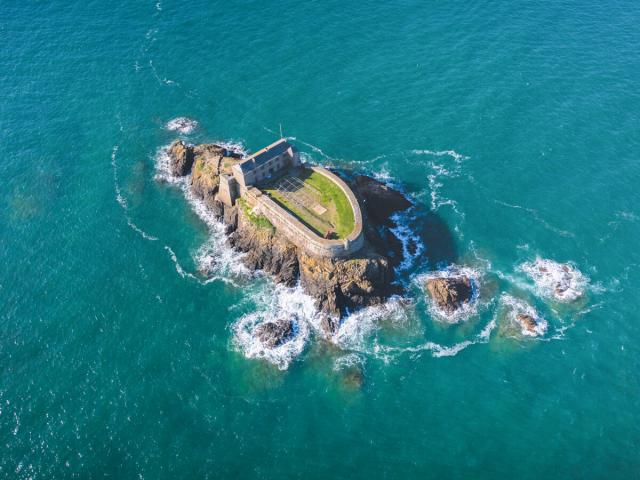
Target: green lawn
{"type": "Point", "coordinates": [339, 215]}
{"type": "Point", "coordinates": [258, 220]}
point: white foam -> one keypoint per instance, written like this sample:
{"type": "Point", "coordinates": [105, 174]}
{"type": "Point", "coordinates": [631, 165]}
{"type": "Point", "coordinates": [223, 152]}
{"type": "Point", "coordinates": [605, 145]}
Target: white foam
{"type": "Point", "coordinates": [273, 302]}
{"type": "Point", "coordinates": [216, 258]}
{"type": "Point", "coordinates": [183, 125]}
{"type": "Point", "coordinates": [412, 245]}
{"type": "Point", "coordinates": [123, 201]}
{"type": "Point", "coordinates": [161, 80]}
{"type": "Point", "coordinates": [347, 361]}
{"type": "Point", "coordinates": [458, 157]}
{"type": "Point", "coordinates": [468, 309]}
{"type": "Point", "coordinates": [440, 169]}
{"type": "Point", "coordinates": [357, 328]}
{"type": "Point", "coordinates": [514, 307]}
{"type": "Point", "coordinates": [560, 281]}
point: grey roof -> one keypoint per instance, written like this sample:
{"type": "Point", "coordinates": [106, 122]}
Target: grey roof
{"type": "Point", "coordinates": [264, 155]}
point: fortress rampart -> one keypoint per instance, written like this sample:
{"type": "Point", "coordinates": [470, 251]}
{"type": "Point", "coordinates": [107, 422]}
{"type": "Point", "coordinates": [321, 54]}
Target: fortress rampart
{"type": "Point", "coordinates": [301, 235]}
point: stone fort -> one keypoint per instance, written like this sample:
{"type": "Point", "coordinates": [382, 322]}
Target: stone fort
{"type": "Point", "coordinates": [273, 160]}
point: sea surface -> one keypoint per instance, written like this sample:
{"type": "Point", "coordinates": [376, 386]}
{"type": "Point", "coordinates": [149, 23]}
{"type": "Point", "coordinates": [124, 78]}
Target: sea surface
{"type": "Point", "coordinates": [514, 127]}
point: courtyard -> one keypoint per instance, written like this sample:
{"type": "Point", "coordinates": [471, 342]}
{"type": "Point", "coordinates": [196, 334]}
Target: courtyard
{"type": "Point", "coordinates": [315, 200]}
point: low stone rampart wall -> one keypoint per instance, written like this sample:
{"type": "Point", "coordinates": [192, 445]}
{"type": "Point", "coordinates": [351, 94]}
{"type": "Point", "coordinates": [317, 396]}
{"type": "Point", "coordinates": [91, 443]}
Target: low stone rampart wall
{"type": "Point", "coordinates": [301, 235]}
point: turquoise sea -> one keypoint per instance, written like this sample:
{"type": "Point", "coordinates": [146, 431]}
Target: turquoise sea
{"type": "Point", "coordinates": [514, 127]}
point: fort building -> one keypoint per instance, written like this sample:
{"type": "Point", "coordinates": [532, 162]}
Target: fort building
{"type": "Point", "coordinates": [311, 206]}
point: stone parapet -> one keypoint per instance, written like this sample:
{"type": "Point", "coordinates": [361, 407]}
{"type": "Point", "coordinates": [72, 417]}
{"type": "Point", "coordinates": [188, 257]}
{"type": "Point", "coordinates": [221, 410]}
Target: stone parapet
{"type": "Point", "coordinates": [301, 235]}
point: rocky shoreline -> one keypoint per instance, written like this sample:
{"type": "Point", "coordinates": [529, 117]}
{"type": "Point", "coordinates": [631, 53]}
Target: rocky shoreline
{"type": "Point", "coordinates": [338, 285]}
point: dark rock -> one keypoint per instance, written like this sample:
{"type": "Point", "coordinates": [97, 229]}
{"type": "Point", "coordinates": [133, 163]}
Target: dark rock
{"type": "Point", "coordinates": [273, 334]}
{"type": "Point", "coordinates": [346, 284]}
{"type": "Point", "coordinates": [527, 322]}
{"type": "Point", "coordinates": [450, 293]}
{"type": "Point", "coordinates": [230, 218]}
{"type": "Point", "coordinates": [181, 158]}
{"type": "Point", "coordinates": [329, 324]}
{"type": "Point", "coordinates": [217, 209]}
{"type": "Point", "coordinates": [380, 201]}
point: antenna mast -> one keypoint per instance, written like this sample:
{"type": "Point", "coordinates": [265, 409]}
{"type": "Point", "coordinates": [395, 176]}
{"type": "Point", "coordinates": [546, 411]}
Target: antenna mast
{"type": "Point", "coordinates": [281, 131]}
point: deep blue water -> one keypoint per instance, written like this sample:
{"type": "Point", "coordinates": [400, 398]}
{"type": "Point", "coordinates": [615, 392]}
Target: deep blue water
{"type": "Point", "coordinates": [513, 126]}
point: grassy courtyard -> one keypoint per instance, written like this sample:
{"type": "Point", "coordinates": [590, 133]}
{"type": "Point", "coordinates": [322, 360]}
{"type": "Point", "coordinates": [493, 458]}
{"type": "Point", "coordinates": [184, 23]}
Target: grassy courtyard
{"type": "Point", "coordinates": [317, 201]}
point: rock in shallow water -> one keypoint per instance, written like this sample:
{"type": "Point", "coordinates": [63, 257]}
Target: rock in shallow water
{"type": "Point", "coordinates": [450, 293]}
{"type": "Point", "coordinates": [527, 322]}
{"type": "Point", "coordinates": [273, 334]}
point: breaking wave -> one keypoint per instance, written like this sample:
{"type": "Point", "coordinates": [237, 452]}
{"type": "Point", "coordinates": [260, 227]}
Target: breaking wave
{"type": "Point", "coordinates": [412, 245]}
{"type": "Point", "coordinates": [559, 281]}
{"type": "Point", "coordinates": [275, 302]}
{"type": "Point", "coordinates": [215, 259]}
{"type": "Point", "coordinates": [182, 125]}
{"type": "Point", "coordinates": [512, 308]}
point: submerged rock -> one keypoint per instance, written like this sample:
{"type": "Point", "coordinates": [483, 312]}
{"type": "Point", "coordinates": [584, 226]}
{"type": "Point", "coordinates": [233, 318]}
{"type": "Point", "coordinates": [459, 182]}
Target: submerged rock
{"type": "Point", "coordinates": [273, 334]}
{"type": "Point", "coordinates": [181, 158]}
{"type": "Point", "coordinates": [450, 293]}
{"type": "Point", "coordinates": [353, 378]}
{"type": "Point", "coordinates": [561, 281]}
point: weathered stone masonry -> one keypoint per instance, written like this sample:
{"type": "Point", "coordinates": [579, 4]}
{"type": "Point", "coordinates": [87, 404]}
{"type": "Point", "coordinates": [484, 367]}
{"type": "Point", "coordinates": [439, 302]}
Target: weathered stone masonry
{"type": "Point", "coordinates": [301, 235]}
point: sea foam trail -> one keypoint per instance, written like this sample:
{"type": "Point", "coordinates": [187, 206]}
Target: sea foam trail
{"type": "Point", "coordinates": [441, 169]}
{"type": "Point", "coordinates": [122, 201]}
{"type": "Point", "coordinates": [536, 215]}
{"type": "Point", "coordinates": [437, 350]}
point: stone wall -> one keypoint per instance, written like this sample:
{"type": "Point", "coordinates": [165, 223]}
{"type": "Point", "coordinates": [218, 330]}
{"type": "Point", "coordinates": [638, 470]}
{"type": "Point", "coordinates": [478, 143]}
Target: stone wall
{"type": "Point", "coordinates": [301, 235]}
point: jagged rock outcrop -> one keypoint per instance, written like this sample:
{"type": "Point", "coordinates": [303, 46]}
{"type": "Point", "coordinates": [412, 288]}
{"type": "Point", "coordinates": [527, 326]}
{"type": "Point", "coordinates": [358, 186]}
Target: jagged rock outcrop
{"type": "Point", "coordinates": [450, 293]}
{"type": "Point", "coordinates": [379, 200]}
{"type": "Point", "coordinates": [345, 284]}
{"type": "Point", "coordinates": [209, 161]}
{"type": "Point", "coordinates": [205, 177]}
{"type": "Point", "coordinates": [527, 322]}
{"type": "Point", "coordinates": [338, 285]}
{"type": "Point", "coordinates": [264, 248]}
{"type": "Point", "coordinates": [273, 334]}
{"type": "Point", "coordinates": [180, 158]}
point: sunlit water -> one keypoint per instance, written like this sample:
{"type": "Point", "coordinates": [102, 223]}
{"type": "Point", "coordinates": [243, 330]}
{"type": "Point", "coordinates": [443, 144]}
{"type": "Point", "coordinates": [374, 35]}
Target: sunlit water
{"type": "Point", "coordinates": [125, 321]}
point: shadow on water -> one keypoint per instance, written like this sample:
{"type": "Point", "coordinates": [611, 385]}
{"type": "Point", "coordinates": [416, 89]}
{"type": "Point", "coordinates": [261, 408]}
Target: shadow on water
{"type": "Point", "coordinates": [440, 244]}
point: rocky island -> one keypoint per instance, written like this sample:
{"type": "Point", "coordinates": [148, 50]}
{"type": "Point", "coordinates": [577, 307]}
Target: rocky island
{"type": "Point", "coordinates": [299, 223]}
